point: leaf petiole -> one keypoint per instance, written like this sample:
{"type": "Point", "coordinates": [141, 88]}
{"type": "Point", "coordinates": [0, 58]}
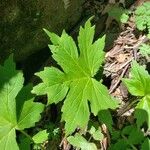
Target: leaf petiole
{"type": "Point", "coordinates": [27, 135]}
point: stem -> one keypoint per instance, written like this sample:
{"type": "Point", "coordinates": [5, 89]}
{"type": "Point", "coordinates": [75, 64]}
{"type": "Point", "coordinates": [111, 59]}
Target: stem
{"type": "Point", "coordinates": [90, 138]}
{"type": "Point", "coordinates": [27, 135]}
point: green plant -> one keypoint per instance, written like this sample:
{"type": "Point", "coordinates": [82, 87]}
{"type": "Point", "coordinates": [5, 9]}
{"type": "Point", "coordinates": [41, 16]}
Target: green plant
{"type": "Point", "coordinates": [18, 111]}
{"type": "Point", "coordinates": [145, 50]}
{"type": "Point", "coordinates": [96, 134]}
{"type": "Point", "coordinates": [128, 138]}
{"type": "Point", "coordinates": [76, 83]}
{"type": "Point", "coordinates": [40, 137]}
{"type": "Point", "coordinates": [138, 85]}
{"type": "Point", "coordinates": [88, 139]}
{"type": "Point", "coordinates": [142, 17]}
{"type": "Point", "coordinates": [120, 14]}
{"type": "Point", "coordinates": [80, 142]}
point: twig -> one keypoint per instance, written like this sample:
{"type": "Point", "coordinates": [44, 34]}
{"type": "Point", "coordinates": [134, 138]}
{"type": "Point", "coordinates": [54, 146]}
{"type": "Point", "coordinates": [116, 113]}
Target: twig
{"type": "Point", "coordinates": [106, 140]}
{"type": "Point", "coordinates": [127, 107]}
{"type": "Point", "coordinates": [127, 62]}
{"type": "Point", "coordinates": [119, 80]}
{"type": "Point", "coordinates": [64, 144]}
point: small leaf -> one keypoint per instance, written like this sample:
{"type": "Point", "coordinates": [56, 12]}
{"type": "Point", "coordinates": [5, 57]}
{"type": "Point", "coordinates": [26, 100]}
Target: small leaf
{"type": "Point", "coordinates": [96, 134]}
{"type": "Point", "coordinates": [142, 15]}
{"type": "Point", "coordinates": [40, 137]}
{"type": "Point", "coordinates": [145, 50]}
{"type": "Point", "coordinates": [92, 130]}
{"type": "Point", "coordinates": [80, 142]}
{"type": "Point", "coordinates": [124, 18]}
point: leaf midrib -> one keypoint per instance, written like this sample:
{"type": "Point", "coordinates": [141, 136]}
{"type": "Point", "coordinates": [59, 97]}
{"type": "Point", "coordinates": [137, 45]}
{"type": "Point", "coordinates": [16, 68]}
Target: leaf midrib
{"type": "Point", "coordinates": [76, 62]}
{"type": "Point", "coordinates": [81, 99]}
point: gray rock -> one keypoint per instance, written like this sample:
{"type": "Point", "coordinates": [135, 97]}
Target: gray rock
{"type": "Point", "coordinates": [21, 23]}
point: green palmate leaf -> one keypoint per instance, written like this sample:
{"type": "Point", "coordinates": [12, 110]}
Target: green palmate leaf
{"type": "Point", "coordinates": [139, 82]}
{"type": "Point", "coordinates": [11, 82]}
{"type": "Point", "coordinates": [80, 142]}
{"type": "Point", "coordinates": [139, 85]}
{"type": "Point", "coordinates": [75, 83]}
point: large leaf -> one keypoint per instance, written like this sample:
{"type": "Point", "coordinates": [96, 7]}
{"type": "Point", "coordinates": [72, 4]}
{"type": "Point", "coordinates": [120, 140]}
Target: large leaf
{"type": "Point", "coordinates": [138, 85]}
{"type": "Point", "coordinates": [11, 82]}
{"type": "Point", "coordinates": [76, 81]}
